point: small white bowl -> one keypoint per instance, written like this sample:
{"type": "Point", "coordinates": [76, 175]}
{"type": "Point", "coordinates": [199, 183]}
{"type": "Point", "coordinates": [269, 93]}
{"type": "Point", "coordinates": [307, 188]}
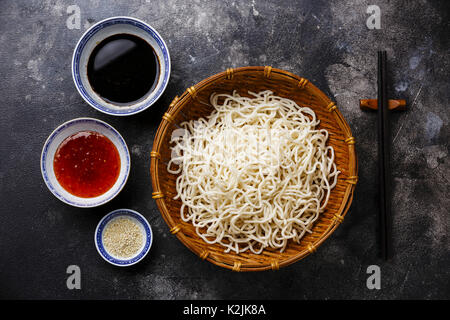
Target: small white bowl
{"type": "Point", "coordinates": [64, 131]}
{"type": "Point", "coordinates": [145, 229]}
{"type": "Point", "coordinates": [102, 30]}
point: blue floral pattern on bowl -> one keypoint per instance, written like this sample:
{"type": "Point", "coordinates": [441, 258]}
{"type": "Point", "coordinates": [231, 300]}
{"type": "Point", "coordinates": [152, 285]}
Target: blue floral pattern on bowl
{"type": "Point", "coordinates": [126, 213]}
{"type": "Point", "coordinates": [76, 65]}
{"type": "Point", "coordinates": [65, 130]}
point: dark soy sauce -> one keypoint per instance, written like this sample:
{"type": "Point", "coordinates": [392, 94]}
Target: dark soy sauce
{"type": "Point", "coordinates": [123, 69]}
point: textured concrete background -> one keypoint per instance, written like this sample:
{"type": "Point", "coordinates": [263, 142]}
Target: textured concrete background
{"type": "Point", "coordinates": [326, 42]}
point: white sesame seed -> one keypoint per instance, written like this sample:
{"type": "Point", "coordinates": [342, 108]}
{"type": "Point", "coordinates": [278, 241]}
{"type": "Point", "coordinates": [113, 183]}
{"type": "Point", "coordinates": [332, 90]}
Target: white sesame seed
{"type": "Point", "coordinates": [122, 237]}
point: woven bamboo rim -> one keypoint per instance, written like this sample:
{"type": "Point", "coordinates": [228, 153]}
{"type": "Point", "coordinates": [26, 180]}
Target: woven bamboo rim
{"type": "Point", "coordinates": [194, 103]}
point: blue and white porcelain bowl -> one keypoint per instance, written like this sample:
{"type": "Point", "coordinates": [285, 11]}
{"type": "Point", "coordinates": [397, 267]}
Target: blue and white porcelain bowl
{"type": "Point", "coordinates": [102, 30]}
{"type": "Point", "coordinates": [143, 225]}
{"type": "Point", "coordinates": [66, 130]}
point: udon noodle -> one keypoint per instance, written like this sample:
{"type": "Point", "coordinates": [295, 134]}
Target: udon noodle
{"type": "Point", "coordinates": [255, 173]}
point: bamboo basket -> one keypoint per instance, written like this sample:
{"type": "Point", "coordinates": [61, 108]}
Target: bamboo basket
{"type": "Point", "coordinates": [194, 103]}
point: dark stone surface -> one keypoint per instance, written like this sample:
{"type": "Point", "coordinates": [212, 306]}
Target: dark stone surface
{"type": "Point", "coordinates": [326, 42]}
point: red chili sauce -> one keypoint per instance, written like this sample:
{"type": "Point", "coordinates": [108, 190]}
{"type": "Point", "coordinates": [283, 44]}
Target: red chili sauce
{"type": "Point", "coordinates": [86, 164]}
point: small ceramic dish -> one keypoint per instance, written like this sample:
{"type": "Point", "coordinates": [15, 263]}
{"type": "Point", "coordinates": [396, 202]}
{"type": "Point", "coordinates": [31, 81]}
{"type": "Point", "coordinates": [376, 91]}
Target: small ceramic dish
{"type": "Point", "coordinates": [102, 30]}
{"type": "Point", "coordinates": [66, 130]}
{"type": "Point", "coordinates": [144, 227]}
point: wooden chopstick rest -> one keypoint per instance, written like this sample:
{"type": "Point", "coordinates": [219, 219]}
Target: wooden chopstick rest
{"type": "Point", "coordinates": [372, 104]}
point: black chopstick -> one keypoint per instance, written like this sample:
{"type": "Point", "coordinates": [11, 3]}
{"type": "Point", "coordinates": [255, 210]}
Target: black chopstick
{"type": "Point", "coordinates": [384, 160]}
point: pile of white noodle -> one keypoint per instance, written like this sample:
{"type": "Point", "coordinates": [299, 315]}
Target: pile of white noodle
{"type": "Point", "coordinates": [253, 174]}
